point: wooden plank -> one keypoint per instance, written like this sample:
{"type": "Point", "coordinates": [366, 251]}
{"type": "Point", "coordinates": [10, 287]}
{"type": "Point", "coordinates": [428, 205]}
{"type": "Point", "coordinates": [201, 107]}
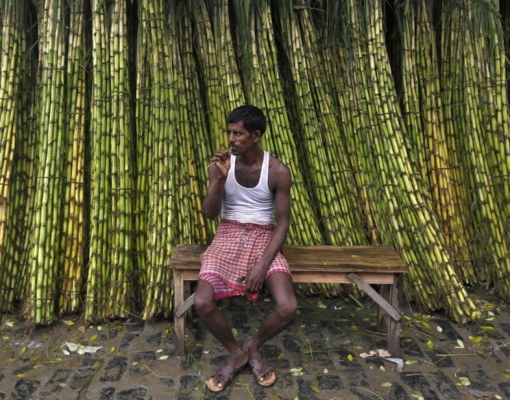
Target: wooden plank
{"type": "Point", "coordinates": [340, 258]}
{"type": "Point", "coordinates": [320, 277]}
{"type": "Point", "coordinates": [184, 306]}
{"type": "Point", "coordinates": [179, 323]}
{"type": "Point", "coordinates": [376, 297]}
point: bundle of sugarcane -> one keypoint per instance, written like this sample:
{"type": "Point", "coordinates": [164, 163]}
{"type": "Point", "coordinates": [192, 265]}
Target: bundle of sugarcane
{"type": "Point", "coordinates": [73, 241]}
{"type": "Point", "coordinates": [11, 65]}
{"type": "Point", "coordinates": [482, 133]}
{"type": "Point", "coordinates": [100, 167]}
{"type": "Point", "coordinates": [191, 182]}
{"type": "Point", "coordinates": [350, 107]}
{"type": "Point", "coordinates": [265, 89]}
{"type": "Point", "coordinates": [423, 114]}
{"type": "Point", "coordinates": [121, 296]}
{"type": "Point", "coordinates": [199, 136]}
{"type": "Point", "coordinates": [161, 126]}
{"type": "Point", "coordinates": [143, 143]}
{"type": "Point", "coordinates": [44, 255]}
{"type": "Point", "coordinates": [321, 160]}
{"type": "Point", "coordinates": [407, 208]}
{"type": "Point", "coordinates": [213, 83]}
{"type": "Point", "coordinates": [225, 54]}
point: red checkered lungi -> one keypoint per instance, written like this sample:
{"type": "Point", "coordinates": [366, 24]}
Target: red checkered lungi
{"type": "Point", "coordinates": [233, 251]}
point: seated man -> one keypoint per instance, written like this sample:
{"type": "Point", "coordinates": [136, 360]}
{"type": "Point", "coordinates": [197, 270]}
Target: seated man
{"type": "Point", "coordinates": [248, 186]}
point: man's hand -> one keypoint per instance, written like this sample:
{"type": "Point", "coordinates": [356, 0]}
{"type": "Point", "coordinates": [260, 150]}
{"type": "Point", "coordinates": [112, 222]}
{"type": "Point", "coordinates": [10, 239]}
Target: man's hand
{"type": "Point", "coordinates": [221, 160]}
{"type": "Point", "coordinates": [255, 277]}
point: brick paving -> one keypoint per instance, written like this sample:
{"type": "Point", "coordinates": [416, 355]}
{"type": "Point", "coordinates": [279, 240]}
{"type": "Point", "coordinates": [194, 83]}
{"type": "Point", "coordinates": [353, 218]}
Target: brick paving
{"type": "Point", "coordinates": [318, 357]}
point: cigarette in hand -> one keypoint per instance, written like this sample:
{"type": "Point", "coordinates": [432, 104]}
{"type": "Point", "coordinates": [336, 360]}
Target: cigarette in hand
{"type": "Point", "coordinates": [214, 162]}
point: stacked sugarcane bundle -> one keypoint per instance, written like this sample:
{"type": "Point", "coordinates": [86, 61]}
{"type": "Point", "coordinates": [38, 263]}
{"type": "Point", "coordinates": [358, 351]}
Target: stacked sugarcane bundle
{"type": "Point", "coordinates": [100, 168]}
{"type": "Point", "coordinates": [158, 152]}
{"type": "Point", "coordinates": [12, 46]}
{"type": "Point", "coordinates": [479, 106]}
{"type": "Point", "coordinates": [317, 132]}
{"type": "Point", "coordinates": [73, 241]}
{"type": "Point", "coordinates": [425, 126]}
{"type": "Point", "coordinates": [46, 228]}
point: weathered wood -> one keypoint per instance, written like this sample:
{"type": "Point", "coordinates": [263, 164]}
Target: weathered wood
{"type": "Point", "coordinates": [312, 258]}
{"type": "Point", "coordinates": [375, 296]}
{"type": "Point", "coordinates": [180, 310]}
{"type": "Point", "coordinates": [363, 265]}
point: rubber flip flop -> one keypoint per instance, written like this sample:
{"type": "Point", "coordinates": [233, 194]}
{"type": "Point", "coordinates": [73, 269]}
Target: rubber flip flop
{"type": "Point", "coordinates": [224, 376]}
{"type": "Point", "coordinates": [261, 369]}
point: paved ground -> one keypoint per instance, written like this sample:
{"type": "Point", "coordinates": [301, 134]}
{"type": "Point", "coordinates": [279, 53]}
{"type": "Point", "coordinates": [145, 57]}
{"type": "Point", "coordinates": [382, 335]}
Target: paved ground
{"type": "Point", "coordinates": [318, 357]}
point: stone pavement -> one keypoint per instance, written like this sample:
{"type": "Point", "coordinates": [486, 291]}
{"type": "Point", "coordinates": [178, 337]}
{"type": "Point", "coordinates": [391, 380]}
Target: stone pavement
{"type": "Point", "coordinates": [318, 357]}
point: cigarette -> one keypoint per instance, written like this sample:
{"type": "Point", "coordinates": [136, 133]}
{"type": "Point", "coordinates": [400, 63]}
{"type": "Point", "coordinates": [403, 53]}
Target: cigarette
{"type": "Point", "coordinates": [214, 162]}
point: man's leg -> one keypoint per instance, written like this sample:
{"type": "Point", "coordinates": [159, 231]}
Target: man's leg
{"type": "Point", "coordinates": [217, 324]}
{"type": "Point", "coordinates": [281, 288]}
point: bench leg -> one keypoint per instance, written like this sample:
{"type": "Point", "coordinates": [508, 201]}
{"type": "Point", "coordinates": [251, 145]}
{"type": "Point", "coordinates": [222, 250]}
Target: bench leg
{"type": "Point", "coordinates": [395, 326]}
{"type": "Point", "coordinates": [179, 322]}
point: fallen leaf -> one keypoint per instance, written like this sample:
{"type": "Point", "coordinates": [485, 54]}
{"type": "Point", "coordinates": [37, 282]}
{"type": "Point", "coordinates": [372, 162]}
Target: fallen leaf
{"type": "Point", "coordinates": [93, 338]}
{"type": "Point", "coordinates": [460, 344]}
{"type": "Point", "coordinates": [439, 329]}
{"type": "Point", "coordinates": [314, 389]}
{"type": "Point", "coordinates": [382, 368]}
{"type": "Point", "coordinates": [476, 339]}
{"type": "Point", "coordinates": [10, 324]}
{"type": "Point", "coordinates": [386, 384]}
{"type": "Point", "coordinates": [22, 351]}
{"type": "Point", "coordinates": [425, 324]}
{"type": "Point", "coordinates": [487, 328]}
{"type": "Point", "coordinates": [430, 344]}
{"type": "Point", "coordinates": [67, 322]}
{"type": "Point", "coordinates": [464, 381]}
{"type": "Point", "coordinates": [350, 357]}
{"type": "Point", "coordinates": [112, 349]}
{"type": "Point", "coordinates": [163, 357]}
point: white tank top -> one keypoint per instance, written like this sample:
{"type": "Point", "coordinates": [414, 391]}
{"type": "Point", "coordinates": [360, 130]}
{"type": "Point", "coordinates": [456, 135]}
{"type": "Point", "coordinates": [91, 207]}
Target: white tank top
{"type": "Point", "coordinates": [248, 205]}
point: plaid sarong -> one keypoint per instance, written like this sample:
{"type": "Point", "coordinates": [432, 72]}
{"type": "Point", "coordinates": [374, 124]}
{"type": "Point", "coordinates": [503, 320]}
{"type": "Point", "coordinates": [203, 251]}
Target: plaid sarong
{"type": "Point", "coordinates": [235, 248]}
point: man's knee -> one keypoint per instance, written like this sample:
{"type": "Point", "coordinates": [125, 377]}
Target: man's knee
{"type": "Point", "coordinates": [204, 298]}
{"type": "Point", "coordinates": [287, 309]}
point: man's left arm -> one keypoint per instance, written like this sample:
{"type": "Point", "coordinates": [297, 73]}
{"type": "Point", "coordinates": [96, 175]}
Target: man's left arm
{"type": "Point", "coordinates": [282, 182]}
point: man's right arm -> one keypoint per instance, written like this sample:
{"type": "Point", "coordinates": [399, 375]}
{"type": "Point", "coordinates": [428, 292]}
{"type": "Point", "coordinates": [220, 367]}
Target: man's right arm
{"type": "Point", "coordinates": [214, 195]}
{"type": "Point", "coordinates": [218, 172]}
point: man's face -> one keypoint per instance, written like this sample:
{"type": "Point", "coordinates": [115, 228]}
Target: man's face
{"type": "Point", "coordinates": [239, 138]}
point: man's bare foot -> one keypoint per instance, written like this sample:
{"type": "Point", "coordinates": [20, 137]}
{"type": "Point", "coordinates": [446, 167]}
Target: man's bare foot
{"type": "Point", "coordinates": [226, 372]}
{"type": "Point", "coordinates": [262, 370]}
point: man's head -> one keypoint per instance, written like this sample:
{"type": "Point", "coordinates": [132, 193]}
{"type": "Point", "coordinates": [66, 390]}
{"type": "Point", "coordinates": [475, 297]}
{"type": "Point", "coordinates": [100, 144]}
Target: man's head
{"type": "Point", "coordinates": [252, 117]}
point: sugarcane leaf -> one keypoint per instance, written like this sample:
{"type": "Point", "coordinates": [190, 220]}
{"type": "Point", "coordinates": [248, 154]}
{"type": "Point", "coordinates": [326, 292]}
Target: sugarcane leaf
{"type": "Point", "coordinates": [487, 328]}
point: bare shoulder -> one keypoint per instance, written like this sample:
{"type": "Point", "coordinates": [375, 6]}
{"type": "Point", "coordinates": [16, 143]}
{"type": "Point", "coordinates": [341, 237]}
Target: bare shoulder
{"type": "Point", "coordinates": [279, 173]}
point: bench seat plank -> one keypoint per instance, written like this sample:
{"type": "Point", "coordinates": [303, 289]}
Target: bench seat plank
{"type": "Point", "coordinates": [383, 259]}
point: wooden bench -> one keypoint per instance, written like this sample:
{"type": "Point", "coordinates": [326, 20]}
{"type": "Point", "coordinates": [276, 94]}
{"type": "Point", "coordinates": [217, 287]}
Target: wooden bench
{"type": "Point", "coordinates": [363, 265]}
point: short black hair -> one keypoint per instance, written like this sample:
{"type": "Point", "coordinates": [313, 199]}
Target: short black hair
{"type": "Point", "coordinates": [252, 117]}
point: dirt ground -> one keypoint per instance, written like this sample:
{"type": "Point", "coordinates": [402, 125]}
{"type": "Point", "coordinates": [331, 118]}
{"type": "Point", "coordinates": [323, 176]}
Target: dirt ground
{"type": "Point", "coordinates": [321, 356]}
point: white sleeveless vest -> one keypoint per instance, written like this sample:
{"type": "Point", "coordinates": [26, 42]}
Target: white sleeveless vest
{"type": "Point", "coordinates": [248, 205]}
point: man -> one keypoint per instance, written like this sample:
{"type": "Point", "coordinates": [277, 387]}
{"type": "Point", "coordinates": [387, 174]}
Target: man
{"type": "Point", "coordinates": [247, 186]}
